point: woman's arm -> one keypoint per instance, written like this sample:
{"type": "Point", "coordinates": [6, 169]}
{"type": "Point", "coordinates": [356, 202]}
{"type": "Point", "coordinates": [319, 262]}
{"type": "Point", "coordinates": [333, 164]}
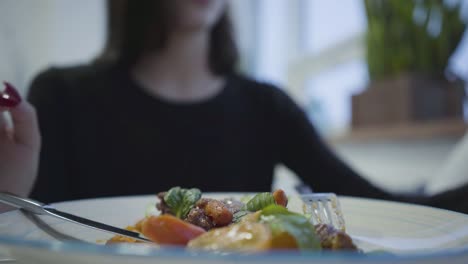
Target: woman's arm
{"type": "Point", "coordinates": [304, 152]}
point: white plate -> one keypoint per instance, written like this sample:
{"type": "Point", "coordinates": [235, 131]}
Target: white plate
{"type": "Point", "coordinates": [411, 233]}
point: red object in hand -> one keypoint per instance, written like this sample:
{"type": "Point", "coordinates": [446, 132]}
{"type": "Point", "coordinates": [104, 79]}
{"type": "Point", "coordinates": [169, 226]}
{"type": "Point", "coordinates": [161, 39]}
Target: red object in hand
{"type": "Point", "coordinates": [9, 97]}
{"type": "Point", "coordinates": [170, 230]}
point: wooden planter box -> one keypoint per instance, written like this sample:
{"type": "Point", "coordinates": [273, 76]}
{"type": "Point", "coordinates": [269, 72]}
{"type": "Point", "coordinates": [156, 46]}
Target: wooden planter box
{"type": "Point", "coordinates": [407, 98]}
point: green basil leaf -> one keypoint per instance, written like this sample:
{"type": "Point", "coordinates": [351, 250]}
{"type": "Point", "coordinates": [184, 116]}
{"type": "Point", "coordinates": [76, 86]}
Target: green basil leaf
{"type": "Point", "coordinates": [259, 201]}
{"type": "Point", "coordinates": [181, 201]}
{"type": "Point", "coordinates": [298, 226]}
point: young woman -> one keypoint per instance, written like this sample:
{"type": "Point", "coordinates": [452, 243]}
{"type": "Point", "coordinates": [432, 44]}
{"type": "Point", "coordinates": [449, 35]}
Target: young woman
{"type": "Point", "coordinates": [164, 106]}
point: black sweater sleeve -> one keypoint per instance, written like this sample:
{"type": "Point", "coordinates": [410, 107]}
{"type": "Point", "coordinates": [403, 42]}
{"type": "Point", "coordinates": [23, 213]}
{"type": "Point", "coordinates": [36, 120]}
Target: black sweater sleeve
{"type": "Point", "coordinates": [303, 151]}
{"type": "Point", "coordinates": [48, 95]}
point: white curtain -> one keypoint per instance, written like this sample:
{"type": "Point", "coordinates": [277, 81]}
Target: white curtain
{"type": "Point", "coordinates": [37, 34]}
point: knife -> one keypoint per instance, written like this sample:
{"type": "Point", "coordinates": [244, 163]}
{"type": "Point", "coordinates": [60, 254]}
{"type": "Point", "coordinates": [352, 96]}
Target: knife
{"type": "Point", "coordinates": [44, 209]}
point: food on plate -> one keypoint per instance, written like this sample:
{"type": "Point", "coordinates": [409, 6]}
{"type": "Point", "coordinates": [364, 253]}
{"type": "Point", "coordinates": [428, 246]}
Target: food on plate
{"type": "Point", "coordinates": [168, 229]}
{"type": "Point", "coordinates": [264, 222]}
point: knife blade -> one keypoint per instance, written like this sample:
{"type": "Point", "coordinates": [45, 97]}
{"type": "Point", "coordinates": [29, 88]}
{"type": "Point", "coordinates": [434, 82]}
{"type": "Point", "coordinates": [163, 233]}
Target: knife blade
{"type": "Point", "coordinates": [43, 209]}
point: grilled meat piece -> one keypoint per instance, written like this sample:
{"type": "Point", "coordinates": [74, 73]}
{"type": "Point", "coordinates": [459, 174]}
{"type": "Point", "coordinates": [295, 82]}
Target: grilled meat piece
{"type": "Point", "coordinates": [280, 198]}
{"type": "Point", "coordinates": [216, 210]}
{"type": "Point", "coordinates": [333, 239]}
{"type": "Point", "coordinates": [233, 205]}
{"type": "Point", "coordinates": [198, 217]}
{"type": "Point", "coordinates": [209, 213]}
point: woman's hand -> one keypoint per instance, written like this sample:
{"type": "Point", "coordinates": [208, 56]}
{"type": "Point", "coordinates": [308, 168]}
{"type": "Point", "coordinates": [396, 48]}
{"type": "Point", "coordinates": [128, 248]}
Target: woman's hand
{"type": "Point", "coordinates": [19, 144]}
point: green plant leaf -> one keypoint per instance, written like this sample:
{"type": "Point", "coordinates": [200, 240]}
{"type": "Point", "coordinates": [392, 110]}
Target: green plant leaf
{"type": "Point", "coordinates": [398, 43]}
{"type": "Point", "coordinates": [181, 201]}
{"type": "Point", "coordinates": [259, 201]}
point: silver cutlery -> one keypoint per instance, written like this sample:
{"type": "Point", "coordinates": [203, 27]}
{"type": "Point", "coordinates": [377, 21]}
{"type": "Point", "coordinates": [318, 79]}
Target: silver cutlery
{"type": "Point", "coordinates": [39, 208]}
{"type": "Point", "coordinates": [324, 208]}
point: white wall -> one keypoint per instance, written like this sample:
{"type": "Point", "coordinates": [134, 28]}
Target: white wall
{"type": "Point", "coordinates": [37, 34]}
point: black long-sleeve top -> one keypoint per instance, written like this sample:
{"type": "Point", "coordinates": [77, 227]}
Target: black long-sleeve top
{"type": "Point", "coordinates": [103, 135]}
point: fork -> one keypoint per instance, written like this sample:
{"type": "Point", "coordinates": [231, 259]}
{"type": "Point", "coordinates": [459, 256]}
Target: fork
{"type": "Point", "coordinates": [39, 208]}
{"type": "Point", "coordinates": [324, 208]}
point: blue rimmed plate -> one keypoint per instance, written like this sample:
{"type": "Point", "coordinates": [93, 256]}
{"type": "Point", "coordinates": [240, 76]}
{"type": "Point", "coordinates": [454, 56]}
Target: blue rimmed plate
{"type": "Point", "coordinates": [404, 233]}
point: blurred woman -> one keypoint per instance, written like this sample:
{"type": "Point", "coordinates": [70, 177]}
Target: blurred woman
{"type": "Point", "coordinates": [165, 106]}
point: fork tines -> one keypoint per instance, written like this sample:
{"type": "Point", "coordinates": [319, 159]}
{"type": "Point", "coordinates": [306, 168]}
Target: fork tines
{"type": "Point", "coordinates": [324, 208]}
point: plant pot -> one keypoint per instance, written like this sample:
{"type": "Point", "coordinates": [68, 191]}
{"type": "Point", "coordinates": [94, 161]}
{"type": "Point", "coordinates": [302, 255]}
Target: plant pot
{"type": "Point", "coordinates": [408, 98]}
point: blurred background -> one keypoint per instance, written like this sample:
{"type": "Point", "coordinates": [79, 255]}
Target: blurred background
{"type": "Point", "coordinates": [384, 81]}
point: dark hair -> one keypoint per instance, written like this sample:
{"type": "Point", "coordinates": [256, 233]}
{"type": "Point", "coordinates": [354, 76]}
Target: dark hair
{"type": "Point", "coordinates": [131, 21]}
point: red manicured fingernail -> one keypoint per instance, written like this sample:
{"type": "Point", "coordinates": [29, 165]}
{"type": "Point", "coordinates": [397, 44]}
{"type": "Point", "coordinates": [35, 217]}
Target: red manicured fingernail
{"type": "Point", "coordinates": [9, 97]}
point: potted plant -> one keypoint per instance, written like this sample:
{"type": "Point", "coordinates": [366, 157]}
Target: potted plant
{"type": "Point", "coordinates": [409, 44]}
